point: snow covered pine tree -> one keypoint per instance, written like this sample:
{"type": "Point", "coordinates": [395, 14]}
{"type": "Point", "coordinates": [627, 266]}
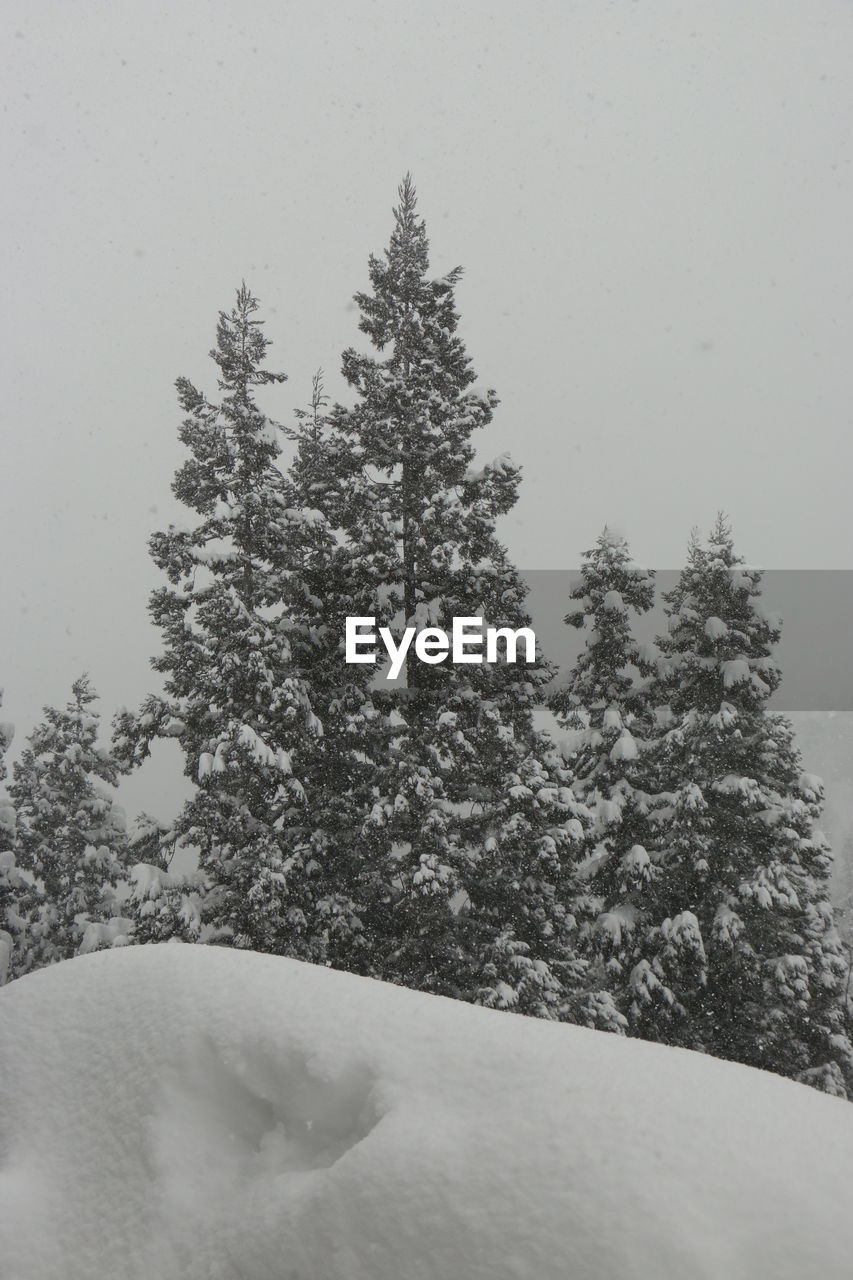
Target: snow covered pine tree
{"type": "Point", "coordinates": [603, 705]}
{"type": "Point", "coordinates": [320, 591]}
{"type": "Point", "coordinates": [235, 698]}
{"type": "Point", "coordinates": [469, 824]}
{"type": "Point", "coordinates": [71, 835]}
{"type": "Point", "coordinates": [741, 956]}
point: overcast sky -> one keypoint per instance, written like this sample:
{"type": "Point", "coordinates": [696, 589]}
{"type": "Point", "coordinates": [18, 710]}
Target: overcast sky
{"type": "Point", "coordinates": [652, 203]}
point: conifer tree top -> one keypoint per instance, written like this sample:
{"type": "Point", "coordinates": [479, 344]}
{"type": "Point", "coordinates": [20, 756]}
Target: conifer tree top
{"type": "Point", "coordinates": [720, 638]}
{"type": "Point", "coordinates": [83, 692]}
{"type": "Point", "coordinates": [408, 310]}
{"type": "Point", "coordinates": [241, 346]}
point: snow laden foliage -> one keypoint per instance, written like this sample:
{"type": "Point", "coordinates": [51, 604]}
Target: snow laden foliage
{"type": "Point", "coordinates": [603, 701]}
{"type": "Point", "coordinates": [740, 955]}
{"type": "Point", "coordinates": [71, 839]}
{"type": "Point", "coordinates": [236, 696]}
{"type": "Point", "coordinates": [163, 904]}
{"type": "Point", "coordinates": [524, 896]}
{"type": "Point", "coordinates": [198, 1113]}
{"type": "Point", "coordinates": [13, 922]}
{"type": "Point", "coordinates": [7, 810]}
{"type": "Point", "coordinates": [13, 885]}
{"type": "Point", "coordinates": [341, 765]}
{"type": "Point", "coordinates": [447, 750]}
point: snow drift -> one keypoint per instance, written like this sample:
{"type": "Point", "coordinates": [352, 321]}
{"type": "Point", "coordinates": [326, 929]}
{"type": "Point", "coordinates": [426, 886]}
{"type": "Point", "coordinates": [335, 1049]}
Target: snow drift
{"type": "Point", "coordinates": [177, 1111]}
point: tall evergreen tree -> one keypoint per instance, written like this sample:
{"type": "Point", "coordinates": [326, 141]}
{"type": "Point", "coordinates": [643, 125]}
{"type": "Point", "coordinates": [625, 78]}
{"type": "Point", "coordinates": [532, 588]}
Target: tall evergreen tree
{"type": "Point", "coordinates": [236, 695]}
{"type": "Point", "coordinates": [71, 835]}
{"type": "Point", "coordinates": [318, 595]}
{"type": "Point", "coordinates": [449, 750]}
{"type": "Point", "coordinates": [742, 956]}
{"type": "Point", "coordinates": [603, 702]}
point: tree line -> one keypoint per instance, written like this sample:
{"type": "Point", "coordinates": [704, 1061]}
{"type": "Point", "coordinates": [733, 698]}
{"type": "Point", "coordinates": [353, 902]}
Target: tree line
{"type": "Point", "coordinates": [654, 870]}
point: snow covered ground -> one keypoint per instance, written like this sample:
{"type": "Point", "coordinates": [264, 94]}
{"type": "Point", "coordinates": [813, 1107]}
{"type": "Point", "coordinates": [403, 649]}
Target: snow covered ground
{"type": "Point", "coordinates": [178, 1111]}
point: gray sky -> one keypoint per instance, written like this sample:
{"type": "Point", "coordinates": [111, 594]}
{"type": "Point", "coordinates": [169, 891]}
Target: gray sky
{"type": "Point", "coordinates": [652, 202]}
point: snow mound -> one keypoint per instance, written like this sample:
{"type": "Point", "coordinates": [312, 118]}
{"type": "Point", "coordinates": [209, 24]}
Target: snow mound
{"type": "Point", "coordinates": [184, 1111]}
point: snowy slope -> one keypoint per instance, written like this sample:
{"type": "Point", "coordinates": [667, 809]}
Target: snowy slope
{"type": "Point", "coordinates": [188, 1112]}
